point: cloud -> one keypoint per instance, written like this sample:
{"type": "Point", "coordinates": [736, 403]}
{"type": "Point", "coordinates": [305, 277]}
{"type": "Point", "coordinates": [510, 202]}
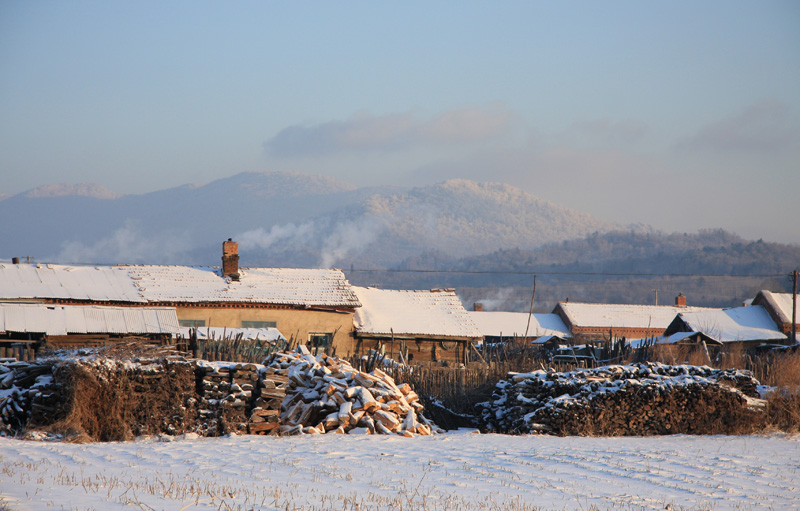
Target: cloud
{"type": "Point", "coordinates": [391, 132]}
{"type": "Point", "coordinates": [765, 127]}
{"type": "Point", "coordinates": [607, 132]}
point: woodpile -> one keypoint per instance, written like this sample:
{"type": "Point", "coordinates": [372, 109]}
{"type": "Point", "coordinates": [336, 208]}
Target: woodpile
{"type": "Point", "coordinates": [238, 398]}
{"type": "Point", "coordinates": [99, 398]}
{"type": "Point", "coordinates": [327, 395]}
{"type": "Point", "coordinates": [115, 398]}
{"type": "Point", "coordinates": [27, 393]}
{"type": "Point", "coordinates": [640, 399]}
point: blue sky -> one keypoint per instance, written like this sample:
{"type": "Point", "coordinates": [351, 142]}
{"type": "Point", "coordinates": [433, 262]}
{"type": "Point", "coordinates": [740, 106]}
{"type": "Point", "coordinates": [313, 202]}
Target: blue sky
{"type": "Point", "coordinates": [682, 115]}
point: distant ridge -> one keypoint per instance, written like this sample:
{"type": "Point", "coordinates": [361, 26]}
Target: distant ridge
{"type": "Point", "coordinates": [92, 190]}
{"type": "Point", "coordinates": [283, 219]}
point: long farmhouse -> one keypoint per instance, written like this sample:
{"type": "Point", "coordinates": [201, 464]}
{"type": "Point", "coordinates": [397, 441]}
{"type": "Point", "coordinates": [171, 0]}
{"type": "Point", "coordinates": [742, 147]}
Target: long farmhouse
{"type": "Point", "coordinates": [310, 306]}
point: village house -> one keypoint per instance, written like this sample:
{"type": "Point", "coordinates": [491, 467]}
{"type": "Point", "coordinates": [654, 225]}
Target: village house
{"type": "Point", "coordinates": [779, 307]}
{"type": "Point", "coordinates": [606, 321]}
{"type": "Point", "coordinates": [415, 327]}
{"type": "Point", "coordinates": [747, 326]}
{"type": "Point", "coordinates": [309, 306]}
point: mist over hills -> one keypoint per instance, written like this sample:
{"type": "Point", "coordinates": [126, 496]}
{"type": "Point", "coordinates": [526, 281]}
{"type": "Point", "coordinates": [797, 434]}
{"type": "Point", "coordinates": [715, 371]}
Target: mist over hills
{"type": "Point", "coordinates": [283, 219]}
{"type": "Point", "coordinates": [488, 238]}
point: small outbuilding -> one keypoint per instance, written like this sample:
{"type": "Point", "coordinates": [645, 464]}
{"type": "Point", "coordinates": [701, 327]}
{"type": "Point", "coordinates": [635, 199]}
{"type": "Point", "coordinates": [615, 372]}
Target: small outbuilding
{"type": "Point", "coordinates": [611, 321]}
{"type": "Point", "coordinates": [749, 326]}
{"type": "Point", "coordinates": [77, 326]}
{"type": "Point", "coordinates": [518, 326]}
{"type": "Point", "coordinates": [415, 327]}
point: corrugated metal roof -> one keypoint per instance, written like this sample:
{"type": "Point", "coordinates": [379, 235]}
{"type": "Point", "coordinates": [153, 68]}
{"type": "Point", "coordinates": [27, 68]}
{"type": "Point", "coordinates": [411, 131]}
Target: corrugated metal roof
{"type": "Point", "coordinates": [168, 284]}
{"type": "Point", "coordinates": [429, 313]}
{"type": "Point", "coordinates": [100, 283]}
{"type": "Point", "coordinates": [87, 319]}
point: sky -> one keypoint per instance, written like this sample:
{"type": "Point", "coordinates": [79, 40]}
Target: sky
{"type": "Point", "coordinates": [680, 115]}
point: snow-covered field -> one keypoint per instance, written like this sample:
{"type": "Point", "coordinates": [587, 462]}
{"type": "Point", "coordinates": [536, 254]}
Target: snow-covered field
{"type": "Point", "coordinates": [458, 470]}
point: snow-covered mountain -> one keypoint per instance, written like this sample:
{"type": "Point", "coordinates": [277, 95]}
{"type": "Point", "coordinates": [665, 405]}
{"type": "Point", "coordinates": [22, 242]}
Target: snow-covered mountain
{"type": "Point", "coordinates": [286, 219]}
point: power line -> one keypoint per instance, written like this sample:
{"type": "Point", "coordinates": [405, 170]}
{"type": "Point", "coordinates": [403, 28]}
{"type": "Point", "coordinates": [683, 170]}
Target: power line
{"type": "Point", "coordinates": [568, 273]}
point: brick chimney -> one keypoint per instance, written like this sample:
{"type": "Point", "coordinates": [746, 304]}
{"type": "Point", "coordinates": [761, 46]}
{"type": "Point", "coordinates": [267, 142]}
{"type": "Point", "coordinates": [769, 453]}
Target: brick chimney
{"type": "Point", "coordinates": [680, 300]}
{"type": "Point", "coordinates": [230, 259]}
{"type": "Point", "coordinates": [477, 307]}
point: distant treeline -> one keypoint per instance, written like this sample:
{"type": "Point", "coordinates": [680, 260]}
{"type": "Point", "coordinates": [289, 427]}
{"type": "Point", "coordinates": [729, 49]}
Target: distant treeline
{"type": "Point", "coordinates": [569, 270]}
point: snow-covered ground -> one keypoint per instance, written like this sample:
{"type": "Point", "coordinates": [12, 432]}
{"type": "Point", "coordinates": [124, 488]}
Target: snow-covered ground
{"type": "Point", "coordinates": [457, 470]}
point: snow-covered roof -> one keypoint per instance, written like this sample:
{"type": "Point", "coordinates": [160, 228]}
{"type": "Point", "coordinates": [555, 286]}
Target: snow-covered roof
{"type": "Point", "coordinates": [87, 319]}
{"type": "Point", "coordinates": [781, 304]}
{"type": "Point", "coordinates": [165, 284]}
{"type": "Point", "coordinates": [248, 334]}
{"type": "Point", "coordinates": [286, 286]}
{"type": "Point", "coordinates": [425, 313]}
{"type": "Point", "coordinates": [609, 315]}
{"type": "Point", "coordinates": [515, 324]}
{"type": "Point", "coordinates": [751, 323]}
{"type": "Point", "coordinates": [95, 283]}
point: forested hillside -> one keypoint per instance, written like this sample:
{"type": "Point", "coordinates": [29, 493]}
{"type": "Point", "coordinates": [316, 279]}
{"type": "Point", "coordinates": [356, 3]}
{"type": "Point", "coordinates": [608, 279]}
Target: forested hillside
{"type": "Point", "coordinates": [618, 267]}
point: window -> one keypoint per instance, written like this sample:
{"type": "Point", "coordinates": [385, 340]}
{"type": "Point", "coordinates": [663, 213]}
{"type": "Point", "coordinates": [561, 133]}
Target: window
{"type": "Point", "coordinates": [192, 323]}
{"type": "Point", "coordinates": [318, 342]}
{"type": "Point", "coordinates": [259, 324]}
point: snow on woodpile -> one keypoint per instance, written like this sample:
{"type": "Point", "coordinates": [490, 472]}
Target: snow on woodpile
{"type": "Point", "coordinates": [89, 394]}
{"type": "Point", "coordinates": [327, 395]}
{"type": "Point", "coordinates": [639, 399]}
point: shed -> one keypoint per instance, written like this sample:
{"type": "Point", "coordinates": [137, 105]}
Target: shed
{"type": "Point", "coordinates": [498, 326]}
{"type": "Point", "coordinates": [84, 325]}
{"type": "Point", "coordinates": [612, 321]}
{"type": "Point", "coordinates": [749, 326]}
{"type": "Point", "coordinates": [414, 326]}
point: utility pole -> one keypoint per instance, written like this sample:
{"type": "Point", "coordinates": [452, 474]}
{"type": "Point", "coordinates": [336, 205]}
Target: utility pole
{"type": "Point", "coordinates": [794, 307]}
{"type": "Point", "coordinates": [656, 291]}
{"type": "Point", "coordinates": [530, 314]}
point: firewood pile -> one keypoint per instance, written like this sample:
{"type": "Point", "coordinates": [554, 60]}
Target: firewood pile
{"type": "Point", "coordinates": [238, 398]}
{"type": "Point", "coordinates": [640, 399]}
{"type": "Point", "coordinates": [27, 393]}
{"type": "Point", "coordinates": [97, 397]}
{"type": "Point", "coordinates": [327, 395]}
{"type": "Point", "coordinates": [101, 398]}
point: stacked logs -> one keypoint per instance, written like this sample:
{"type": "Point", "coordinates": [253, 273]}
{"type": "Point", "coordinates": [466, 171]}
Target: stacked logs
{"type": "Point", "coordinates": [237, 398]}
{"type": "Point", "coordinates": [27, 393]}
{"type": "Point", "coordinates": [641, 399]}
{"type": "Point", "coordinates": [266, 412]}
{"type": "Point", "coordinates": [104, 398]}
{"type": "Point", "coordinates": [327, 395]}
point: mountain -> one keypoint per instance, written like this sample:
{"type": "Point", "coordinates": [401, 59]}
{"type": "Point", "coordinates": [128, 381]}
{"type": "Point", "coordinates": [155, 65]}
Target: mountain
{"type": "Point", "coordinates": [66, 189]}
{"type": "Point", "coordinates": [282, 219]}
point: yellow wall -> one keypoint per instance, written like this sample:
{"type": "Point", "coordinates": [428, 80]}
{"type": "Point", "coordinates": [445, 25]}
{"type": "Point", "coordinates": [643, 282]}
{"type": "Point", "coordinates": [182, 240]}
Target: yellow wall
{"type": "Point", "coordinates": [292, 323]}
